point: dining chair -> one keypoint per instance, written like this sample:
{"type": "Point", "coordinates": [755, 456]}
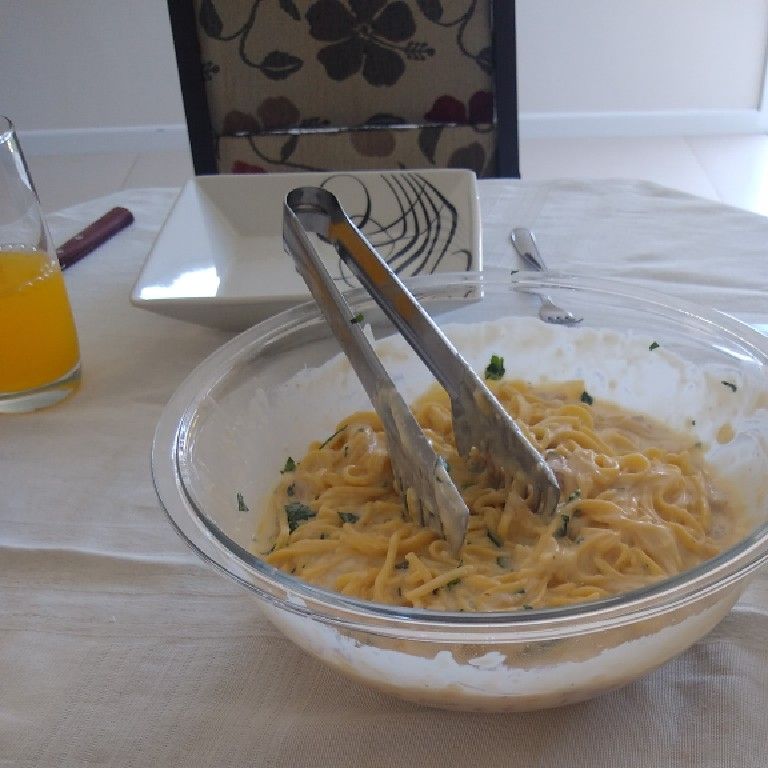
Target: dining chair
{"type": "Point", "coordinates": [303, 85]}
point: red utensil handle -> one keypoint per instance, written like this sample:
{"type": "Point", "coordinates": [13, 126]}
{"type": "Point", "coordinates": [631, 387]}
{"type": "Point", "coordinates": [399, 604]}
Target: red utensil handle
{"type": "Point", "coordinates": [93, 236]}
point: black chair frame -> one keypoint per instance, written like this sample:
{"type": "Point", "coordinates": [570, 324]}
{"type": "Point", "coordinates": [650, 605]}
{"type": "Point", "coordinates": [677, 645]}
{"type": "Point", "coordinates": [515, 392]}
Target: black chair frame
{"type": "Point", "coordinates": [202, 140]}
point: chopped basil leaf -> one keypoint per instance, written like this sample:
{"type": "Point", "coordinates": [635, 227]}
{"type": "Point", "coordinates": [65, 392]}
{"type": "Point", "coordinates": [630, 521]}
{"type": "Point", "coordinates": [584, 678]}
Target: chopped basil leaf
{"type": "Point", "coordinates": [453, 582]}
{"type": "Point", "coordinates": [337, 432]}
{"type": "Point", "coordinates": [291, 489]}
{"type": "Point", "coordinates": [503, 562]}
{"type": "Point", "coordinates": [297, 513]}
{"type": "Point", "coordinates": [693, 422]}
{"type": "Point", "coordinates": [495, 369]}
{"type": "Point", "coordinates": [290, 466]}
{"type": "Point", "coordinates": [586, 398]}
{"type": "Point", "coordinates": [402, 566]}
{"type": "Point", "coordinates": [654, 345]}
{"type": "Point", "coordinates": [241, 505]}
{"type": "Point", "coordinates": [730, 385]}
{"type": "Point", "coordinates": [495, 538]}
{"type": "Point", "coordinates": [528, 607]}
{"type": "Point", "coordinates": [562, 529]}
{"type": "Point", "coordinates": [575, 495]}
{"type": "Point", "coordinates": [358, 318]}
{"type": "Point", "coordinates": [349, 517]}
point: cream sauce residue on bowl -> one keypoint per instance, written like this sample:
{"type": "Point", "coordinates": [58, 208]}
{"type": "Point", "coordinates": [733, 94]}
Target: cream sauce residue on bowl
{"type": "Point", "coordinates": [617, 367]}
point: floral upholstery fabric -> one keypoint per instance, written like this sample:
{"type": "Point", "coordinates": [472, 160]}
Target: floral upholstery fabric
{"type": "Point", "coordinates": [346, 84]}
{"type": "Point", "coordinates": [461, 146]}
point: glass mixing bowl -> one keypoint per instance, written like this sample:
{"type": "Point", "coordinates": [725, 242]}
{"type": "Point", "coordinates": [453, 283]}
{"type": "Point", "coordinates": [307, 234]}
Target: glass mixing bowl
{"type": "Point", "coordinates": [227, 431]}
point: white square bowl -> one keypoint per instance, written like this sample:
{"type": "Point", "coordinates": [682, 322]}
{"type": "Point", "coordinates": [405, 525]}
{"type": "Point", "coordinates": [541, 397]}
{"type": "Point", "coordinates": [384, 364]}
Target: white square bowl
{"type": "Point", "coordinates": [219, 260]}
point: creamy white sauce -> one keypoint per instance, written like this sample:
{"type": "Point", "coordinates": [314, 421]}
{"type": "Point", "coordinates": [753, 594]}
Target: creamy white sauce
{"type": "Point", "coordinates": [619, 367]}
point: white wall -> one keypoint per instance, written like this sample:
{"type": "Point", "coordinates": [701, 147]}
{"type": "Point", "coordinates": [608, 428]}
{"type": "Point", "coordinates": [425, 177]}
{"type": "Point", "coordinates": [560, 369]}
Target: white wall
{"type": "Point", "coordinates": [72, 65]}
{"type": "Point", "coordinates": [645, 55]}
{"type": "Point", "coordinates": [101, 73]}
{"type": "Point", "coordinates": [615, 66]}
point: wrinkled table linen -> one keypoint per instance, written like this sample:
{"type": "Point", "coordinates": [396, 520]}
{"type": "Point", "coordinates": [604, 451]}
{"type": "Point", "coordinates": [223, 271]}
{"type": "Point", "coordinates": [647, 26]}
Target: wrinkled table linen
{"type": "Point", "coordinates": [118, 647]}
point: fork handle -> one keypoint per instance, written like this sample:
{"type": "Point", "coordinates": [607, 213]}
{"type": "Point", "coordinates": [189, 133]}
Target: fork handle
{"type": "Point", "coordinates": [525, 245]}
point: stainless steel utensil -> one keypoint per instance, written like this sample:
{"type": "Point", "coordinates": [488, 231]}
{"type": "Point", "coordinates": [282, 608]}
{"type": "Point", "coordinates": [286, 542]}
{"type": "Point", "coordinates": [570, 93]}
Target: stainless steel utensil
{"type": "Point", "coordinates": [525, 244]}
{"type": "Point", "coordinates": [479, 422]}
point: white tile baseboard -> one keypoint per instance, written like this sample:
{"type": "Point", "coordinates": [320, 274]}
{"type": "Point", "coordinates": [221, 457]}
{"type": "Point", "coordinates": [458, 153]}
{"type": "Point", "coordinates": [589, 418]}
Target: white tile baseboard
{"type": "Point", "coordinates": [533, 125]}
{"type": "Point", "coordinates": [549, 125]}
{"type": "Point", "coordinates": [88, 141]}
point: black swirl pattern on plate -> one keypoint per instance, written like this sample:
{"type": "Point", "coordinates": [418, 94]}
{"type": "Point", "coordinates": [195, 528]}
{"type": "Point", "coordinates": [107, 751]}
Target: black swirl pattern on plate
{"type": "Point", "coordinates": [418, 238]}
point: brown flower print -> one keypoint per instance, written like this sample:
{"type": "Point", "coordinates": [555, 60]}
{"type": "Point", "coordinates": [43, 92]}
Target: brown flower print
{"type": "Point", "coordinates": [367, 35]}
{"type": "Point", "coordinates": [448, 109]}
{"type": "Point", "coordinates": [375, 143]}
{"type": "Point", "coordinates": [272, 114]}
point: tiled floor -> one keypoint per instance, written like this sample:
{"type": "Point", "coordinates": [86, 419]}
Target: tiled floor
{"type": "Point", "coordinates": [732, 169]}
{"type": "Point", "coordinates": [63, 180]}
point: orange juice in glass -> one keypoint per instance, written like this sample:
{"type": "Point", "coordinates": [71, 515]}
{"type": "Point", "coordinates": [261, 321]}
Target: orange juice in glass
{"type": "Point", "coordinates": [39, 355]}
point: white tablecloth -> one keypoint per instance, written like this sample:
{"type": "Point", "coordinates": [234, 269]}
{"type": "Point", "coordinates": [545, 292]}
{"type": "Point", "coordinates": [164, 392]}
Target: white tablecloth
{"type": "Point", "coordinates": [118, 648]}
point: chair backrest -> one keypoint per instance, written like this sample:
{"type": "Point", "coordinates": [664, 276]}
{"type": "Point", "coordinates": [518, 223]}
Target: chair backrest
{"type": "Point", "coordinates": [279, 85]}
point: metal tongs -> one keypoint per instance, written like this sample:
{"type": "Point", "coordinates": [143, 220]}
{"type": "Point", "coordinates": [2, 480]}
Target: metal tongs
{"type": "Point", "coordinates": [480, 423]}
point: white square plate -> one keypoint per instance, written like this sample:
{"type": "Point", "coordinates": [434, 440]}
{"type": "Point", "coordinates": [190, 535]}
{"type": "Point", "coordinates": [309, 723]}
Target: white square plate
{"type": "Point", "coordinates": [219, 260]}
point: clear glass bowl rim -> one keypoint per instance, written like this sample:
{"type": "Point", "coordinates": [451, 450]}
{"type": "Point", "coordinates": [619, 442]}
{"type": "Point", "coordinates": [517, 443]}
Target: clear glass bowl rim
{"type": "Point", "coordinates": [296, 596]}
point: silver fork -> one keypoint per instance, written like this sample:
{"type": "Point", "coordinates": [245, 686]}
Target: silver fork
{"type": "Point", "coordinates": [525, 244]}
{"type": "Point", "coordinates": [479, 421]}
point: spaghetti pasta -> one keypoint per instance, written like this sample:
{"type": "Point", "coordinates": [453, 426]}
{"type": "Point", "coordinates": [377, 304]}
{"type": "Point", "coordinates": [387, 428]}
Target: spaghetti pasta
{"type": "Point", "coordinates": [638, 504]}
